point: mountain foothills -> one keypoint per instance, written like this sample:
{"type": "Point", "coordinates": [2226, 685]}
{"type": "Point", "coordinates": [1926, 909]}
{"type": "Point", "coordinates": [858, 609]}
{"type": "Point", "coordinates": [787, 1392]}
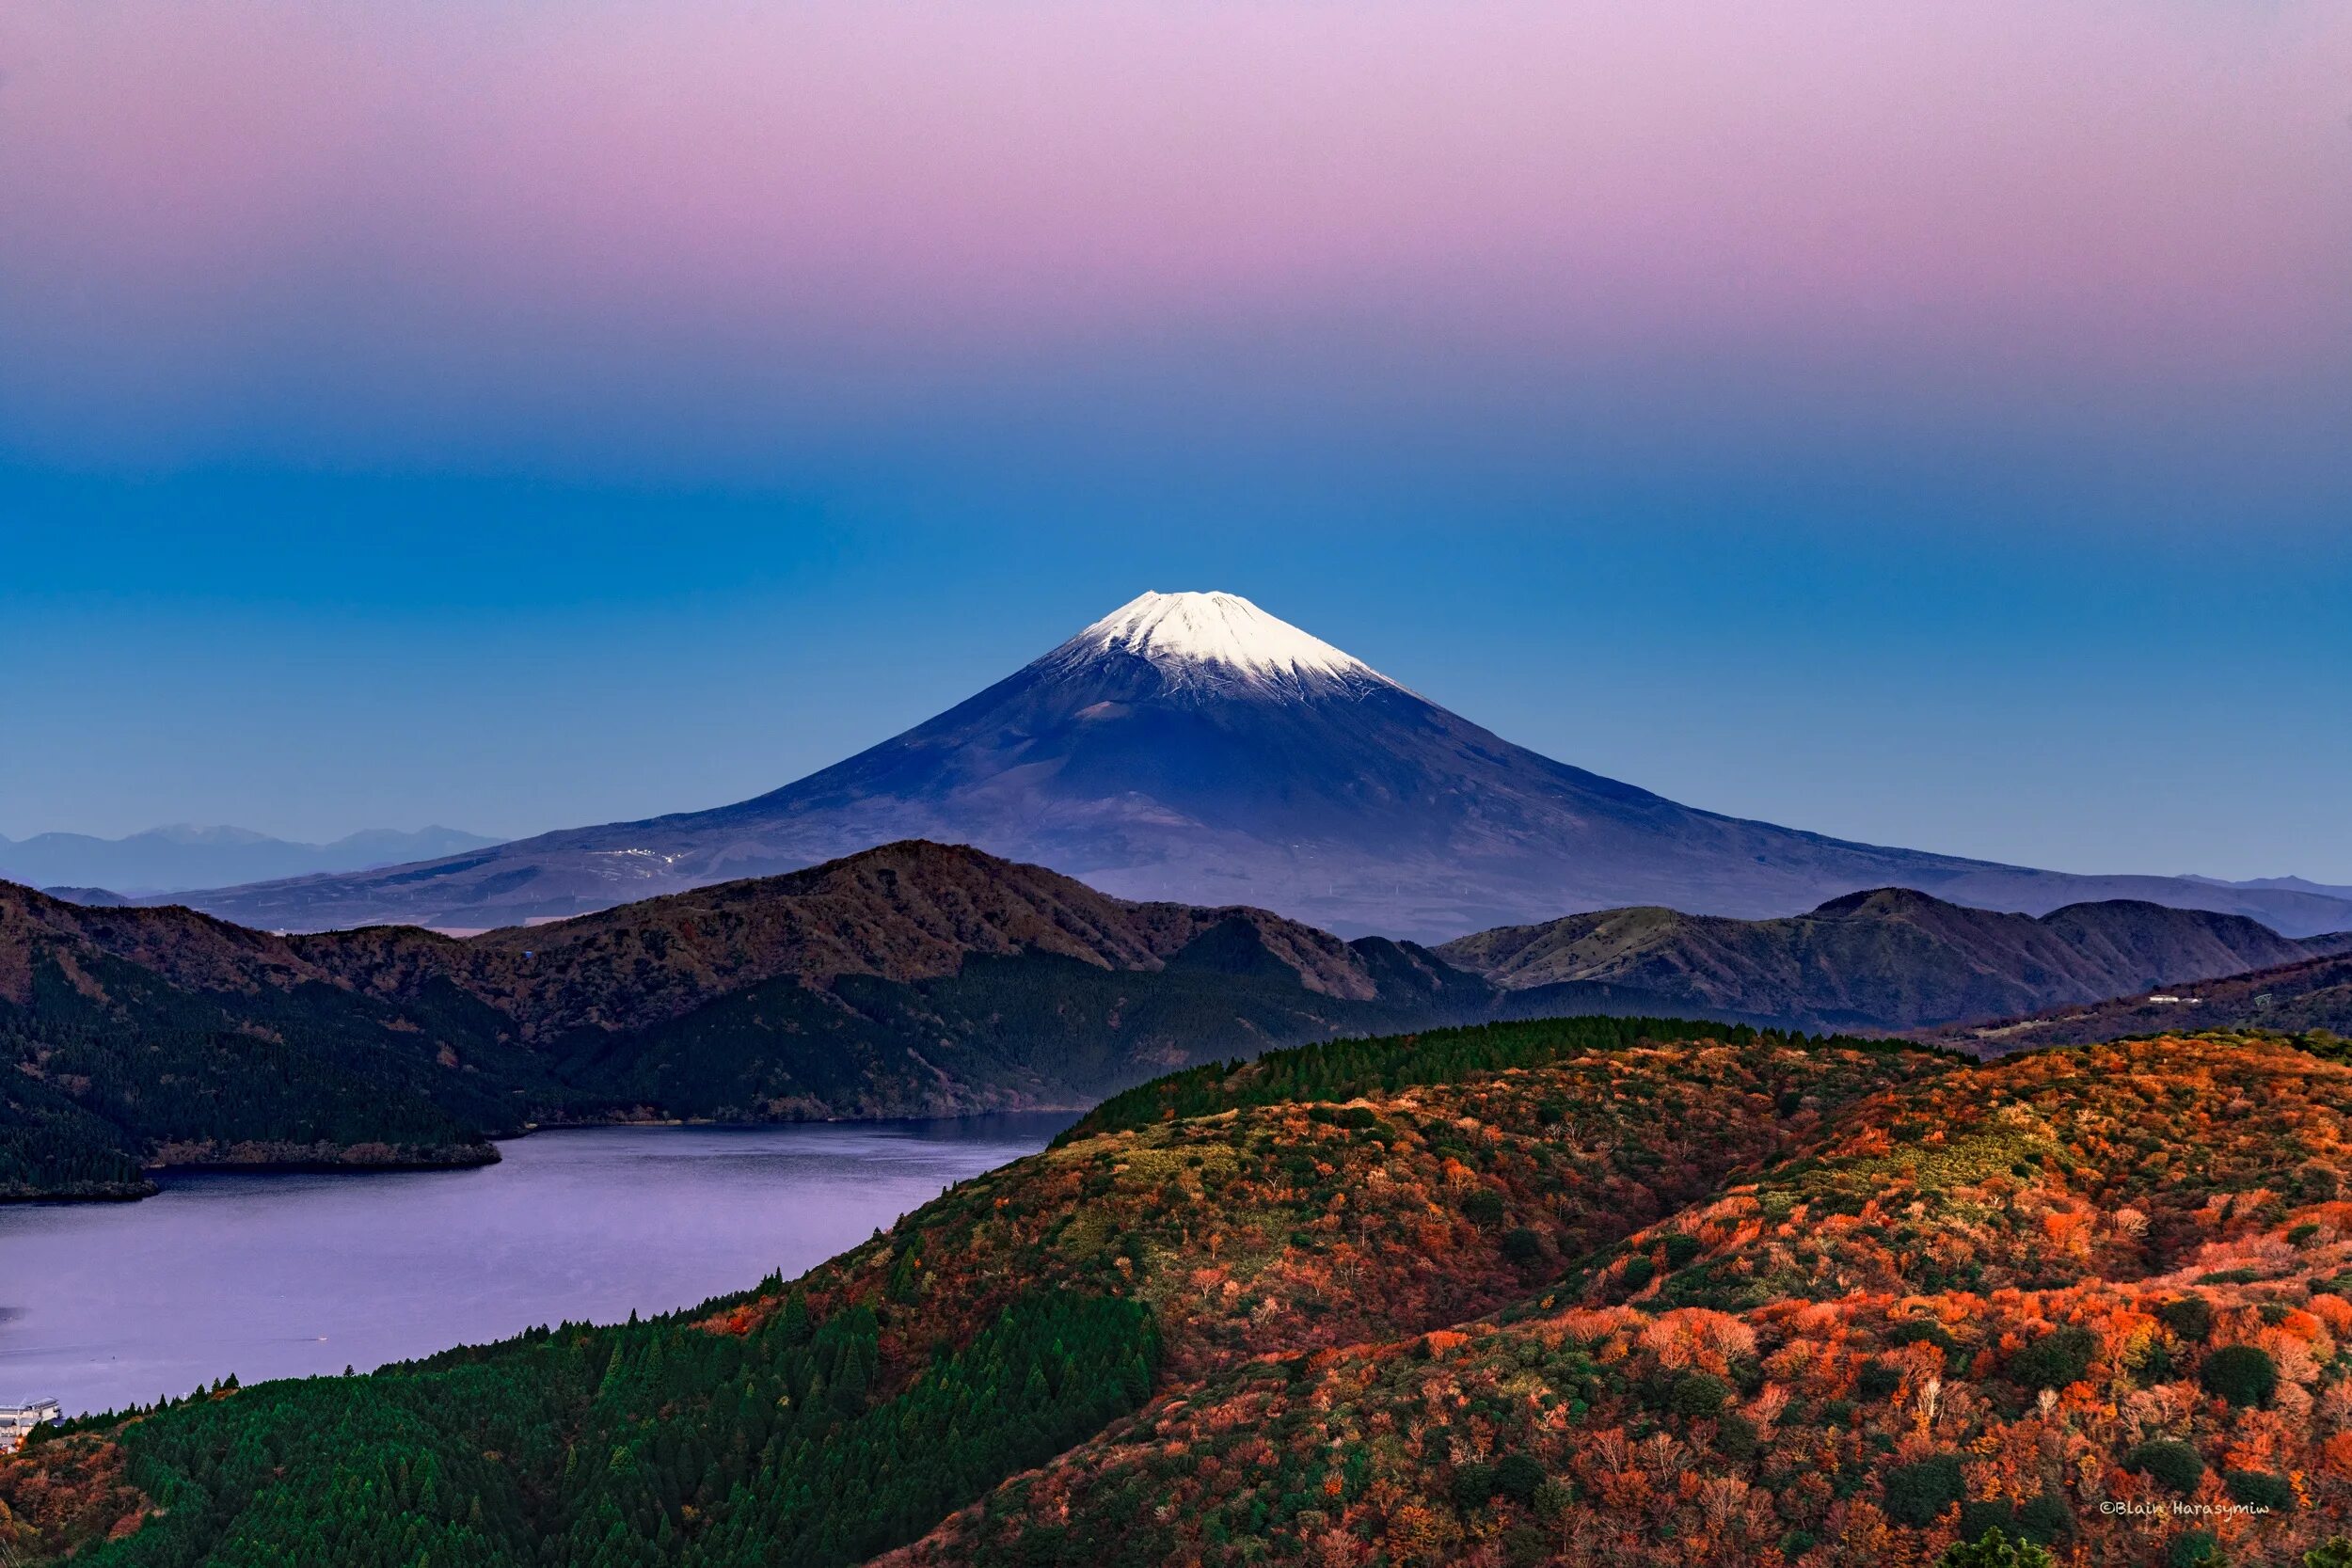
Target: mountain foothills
{"type": "Point", "coordinates": [1889, 958]}
{"type": "Point", "coordinates": [912, 980]}
{"type": "Point", "coordinates": [1587, 1293]}
{"type": "Point", "coordinates": [2313, 996]}
{"type": "Point", "coordinates": [1192, 747]}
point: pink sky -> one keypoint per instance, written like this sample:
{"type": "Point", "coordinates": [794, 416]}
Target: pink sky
{"type": "Point", "coordinates": [212, 216]}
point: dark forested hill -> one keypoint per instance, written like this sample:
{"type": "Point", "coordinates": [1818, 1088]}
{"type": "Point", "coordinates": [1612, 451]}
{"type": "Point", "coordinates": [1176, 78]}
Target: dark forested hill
{"type": "Point", "coordinates": [1570, 1292]}
{"type": "Point", "coordinates": [915, 979]}
{"type": "Point", "coordinates": [903, 914]}
{"type": "Point", "coordinates": [133, 1037]}
{"type": "Point", "coordinates": [912, 979]}
{"type": "Point", "coordinates": [1891, 958]}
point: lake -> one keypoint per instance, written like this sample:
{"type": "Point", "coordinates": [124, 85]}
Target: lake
{"type": "Point", "coordinates": [284, 1274]}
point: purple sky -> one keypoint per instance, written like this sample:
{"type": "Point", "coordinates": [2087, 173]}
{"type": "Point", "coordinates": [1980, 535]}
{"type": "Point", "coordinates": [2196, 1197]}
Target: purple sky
{"type": "Point", "coordinates": [698, 240]}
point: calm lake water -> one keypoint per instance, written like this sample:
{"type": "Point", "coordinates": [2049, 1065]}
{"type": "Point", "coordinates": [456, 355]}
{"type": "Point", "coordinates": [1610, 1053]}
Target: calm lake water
{"type": "Point", "coordinates": [279, 1276]}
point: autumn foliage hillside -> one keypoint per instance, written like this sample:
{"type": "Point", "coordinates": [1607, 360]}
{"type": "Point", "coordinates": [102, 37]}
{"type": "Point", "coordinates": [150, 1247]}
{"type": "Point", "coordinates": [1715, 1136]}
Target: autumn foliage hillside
{"type": "Point", "coordinates": [1185, 1246]}
{"type": "Point", "coordinates": [1300, 1224]}
{"type": "Point", "coordinates": [1588, 1292]}
{"type": "Point", "coordinates": [2057, 1295]}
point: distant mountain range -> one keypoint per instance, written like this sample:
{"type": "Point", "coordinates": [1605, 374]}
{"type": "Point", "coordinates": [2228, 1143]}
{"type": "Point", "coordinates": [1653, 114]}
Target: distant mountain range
{"type": "Point", "coordinates": [1192, 747]}
{"type": "Point", "coordinates": [96, 897]}
{"type": "Point", "coordinates": [911, 979]}
{"type": "Point", "coordinates": [175, 859]}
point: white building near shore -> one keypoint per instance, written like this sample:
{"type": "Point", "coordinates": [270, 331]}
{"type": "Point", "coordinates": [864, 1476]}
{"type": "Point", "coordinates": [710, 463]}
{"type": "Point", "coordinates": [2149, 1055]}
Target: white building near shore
{"type": "Point", "coordinates": [18, 1419]}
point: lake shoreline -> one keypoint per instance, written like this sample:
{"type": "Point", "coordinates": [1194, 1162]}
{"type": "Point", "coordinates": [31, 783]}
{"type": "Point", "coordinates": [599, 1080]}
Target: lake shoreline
{"type": "Point", "coordinates": [470, 1159]}
{"type": "Point", "coordinates": [293, 1273]}
{"type": "Point", "coordinates": [110, 1194]}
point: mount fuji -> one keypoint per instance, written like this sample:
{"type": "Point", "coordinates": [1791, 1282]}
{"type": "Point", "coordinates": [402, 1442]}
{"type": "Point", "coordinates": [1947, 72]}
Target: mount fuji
{"type": "Point", "coordinates": [1193, 747]}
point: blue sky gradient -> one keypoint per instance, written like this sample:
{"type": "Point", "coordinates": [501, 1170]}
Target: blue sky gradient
{"type": "Point", "coordinates": [509, 657]}
{"type": "Point", "coordinates": [1925, 428]}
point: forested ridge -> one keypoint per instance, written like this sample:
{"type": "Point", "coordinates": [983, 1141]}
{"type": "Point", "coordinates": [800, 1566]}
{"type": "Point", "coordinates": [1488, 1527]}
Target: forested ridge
{"type": "Point", "coordinates": [1343, 1070]}
{"type": "Point", "coordinates": [1572, 1292]}
{"type": "Point", "coordinates": [2307, 998]}
{"type": "Point", "coordinates": [912, 979]}
{"type": "Point", "coordinates": [916, 979]}
{"type": "Point", "coordinates": [111, 1066]}
{"type": "Point", "coordinates": [1890, 958]}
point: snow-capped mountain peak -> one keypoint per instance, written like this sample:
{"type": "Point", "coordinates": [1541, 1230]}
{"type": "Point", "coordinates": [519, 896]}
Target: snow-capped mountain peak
{"type": "Point", "coordinates": [1217, 642]}
{"type": "Point", "coordinates": [1192, 747]}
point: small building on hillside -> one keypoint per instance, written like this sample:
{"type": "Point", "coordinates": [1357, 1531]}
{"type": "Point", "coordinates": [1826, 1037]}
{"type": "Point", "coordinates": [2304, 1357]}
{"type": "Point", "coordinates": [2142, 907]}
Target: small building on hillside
{"type": "Point", "coordinates": [18, 1419]}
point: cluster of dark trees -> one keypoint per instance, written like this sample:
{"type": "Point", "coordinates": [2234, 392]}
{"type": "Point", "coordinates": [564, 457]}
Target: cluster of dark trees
{"type": "Point", "coordinates": [664, 1442]}
{"type": "Point", "coordinates": [49, 1146]}
{"type": "Point", "coordinates": [93, 1091]}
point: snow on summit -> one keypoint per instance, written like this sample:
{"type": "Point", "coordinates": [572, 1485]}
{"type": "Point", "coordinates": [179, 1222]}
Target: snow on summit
{"type": "Point", "coordinates": [1217, 642]}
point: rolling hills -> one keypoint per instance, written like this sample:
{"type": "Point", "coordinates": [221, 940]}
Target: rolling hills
{"type": "Point", "coordinates": [1572, 1292]}
{"type": "Point", "coordinates": [1889, 958]}
{"type": "Point", "coordinates": [1191, 747]}
{"type": "Point", "coordinates": [141, 1036]}
{"type": "Point", "coordinates": [912, 979]}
